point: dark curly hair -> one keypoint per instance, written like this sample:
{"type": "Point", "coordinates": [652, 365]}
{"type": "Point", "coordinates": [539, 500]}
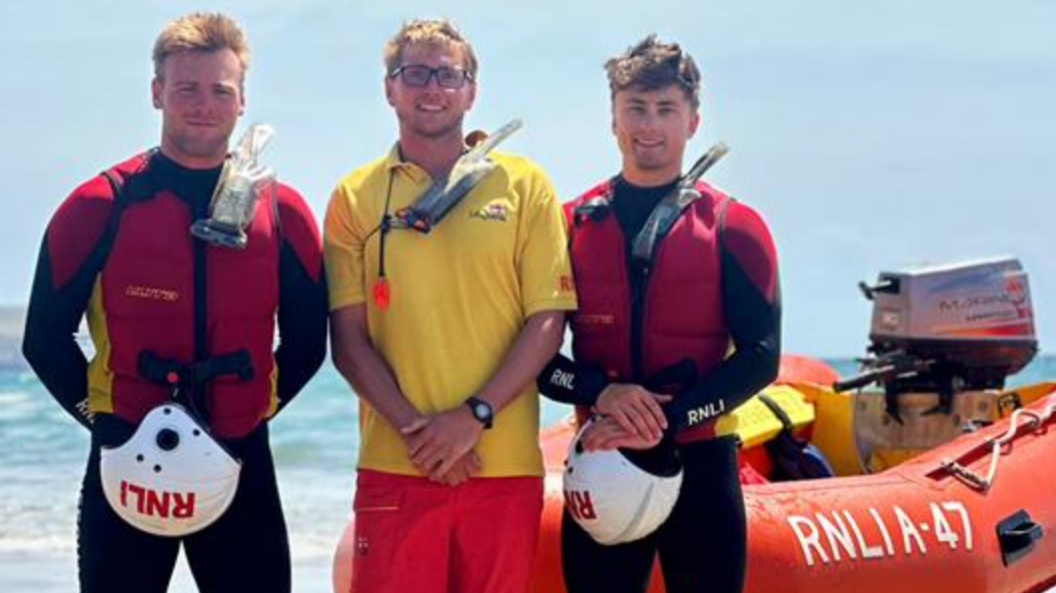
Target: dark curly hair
{"type": "Point", "coordinates": [651, 65]}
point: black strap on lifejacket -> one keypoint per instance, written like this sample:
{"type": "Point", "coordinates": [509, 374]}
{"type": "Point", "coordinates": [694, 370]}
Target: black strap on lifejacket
{"type": "Point", "coordinates": [172, 372]}
{"type": "Point", "coordinates": [595, 209]}
{"type": "Point", "coordinates": [138, 187]}
{"type": "Point", "coordinates": [188, 380]}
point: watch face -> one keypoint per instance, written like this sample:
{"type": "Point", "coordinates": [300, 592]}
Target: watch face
{"type": "Point", "coordinates": [481, 411]}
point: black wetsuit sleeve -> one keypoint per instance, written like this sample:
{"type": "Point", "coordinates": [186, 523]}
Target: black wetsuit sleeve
{"type": "Point", "coordinates": [73, 251]}
{"type": "Point", "coordinates": [303, 311]}
{"type": "Point", "coordinates": [752, 309]}
{"type": "Point", "coordinates": [569, 382]}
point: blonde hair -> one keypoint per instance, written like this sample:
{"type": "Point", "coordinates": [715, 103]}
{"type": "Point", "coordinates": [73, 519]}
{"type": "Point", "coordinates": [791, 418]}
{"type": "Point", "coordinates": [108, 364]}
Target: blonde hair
{"type": "Point", "coordinates": [200, 32]}
{"type": "Point", "coordinates": [651, 65]}
{"type": "Point", "coordinates": [428, 32]}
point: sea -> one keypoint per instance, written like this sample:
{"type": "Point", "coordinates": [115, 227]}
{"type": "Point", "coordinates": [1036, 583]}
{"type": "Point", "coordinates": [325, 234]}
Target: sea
{"type": "Point", "coordinates": [43, 452]}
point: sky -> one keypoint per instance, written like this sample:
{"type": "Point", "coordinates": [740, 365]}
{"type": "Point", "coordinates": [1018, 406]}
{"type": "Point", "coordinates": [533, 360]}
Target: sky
{"type": "Point", "coordinates": [869, 135]}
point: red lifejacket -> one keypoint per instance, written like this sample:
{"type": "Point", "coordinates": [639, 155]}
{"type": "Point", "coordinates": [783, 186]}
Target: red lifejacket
{"type": "Point", "coordinates": [682, 316]}
{"type": "Point", "coordinates": [147, 301]}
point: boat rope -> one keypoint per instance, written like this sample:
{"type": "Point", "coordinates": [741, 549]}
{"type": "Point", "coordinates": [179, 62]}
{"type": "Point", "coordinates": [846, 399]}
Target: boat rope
{"type": "Point", "coordinates": [1034, 421]}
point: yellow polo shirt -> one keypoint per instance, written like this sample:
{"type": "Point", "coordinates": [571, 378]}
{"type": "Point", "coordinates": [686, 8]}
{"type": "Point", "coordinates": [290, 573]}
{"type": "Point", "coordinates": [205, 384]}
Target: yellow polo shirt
{"type": "Point", "coordinates": [459, 296]}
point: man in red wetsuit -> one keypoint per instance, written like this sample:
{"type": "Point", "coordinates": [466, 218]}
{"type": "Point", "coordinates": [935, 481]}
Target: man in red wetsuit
{"type": "Point", "coordinates": [665, 346]}
{"type": "Point", "coordinates": [119, 252]}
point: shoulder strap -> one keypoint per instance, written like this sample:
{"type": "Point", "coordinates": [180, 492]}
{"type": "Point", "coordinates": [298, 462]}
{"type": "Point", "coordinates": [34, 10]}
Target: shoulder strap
{"type": "Point", "coordinates": [137, 187]}
{"type": "Point", "coordinates": [595, 209]}
{"type": "Point", "coordinates": [117, 187]}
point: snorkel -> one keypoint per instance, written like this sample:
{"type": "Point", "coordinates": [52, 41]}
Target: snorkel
{"type": "Point", "coordinates": [234, 201]}
{"type": "Point", "coordinates": [443, 195]}
{"type": "Point", "coordinates": [669, 209]}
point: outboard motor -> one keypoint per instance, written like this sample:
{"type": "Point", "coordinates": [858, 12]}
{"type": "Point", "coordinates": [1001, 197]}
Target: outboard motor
{"type": "Point", "coordinates": [946, 329]}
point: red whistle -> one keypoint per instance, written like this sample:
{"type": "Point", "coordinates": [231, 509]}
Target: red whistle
{"type": "Point", "coordinates": [382, 294]}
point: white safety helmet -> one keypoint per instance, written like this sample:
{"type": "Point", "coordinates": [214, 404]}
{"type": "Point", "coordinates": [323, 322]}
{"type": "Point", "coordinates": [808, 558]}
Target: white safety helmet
{"type": "Point", "coordinates": [614, 500]}
{"type": "Point", "coordinates": [171, 478]}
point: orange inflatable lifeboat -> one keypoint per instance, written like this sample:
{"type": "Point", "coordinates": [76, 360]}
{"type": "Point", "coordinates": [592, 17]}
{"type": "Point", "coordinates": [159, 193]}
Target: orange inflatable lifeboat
{"type": "Point", "coordinates": [974, 515]}
{"type": "Point", "coordinates": [965, 517]}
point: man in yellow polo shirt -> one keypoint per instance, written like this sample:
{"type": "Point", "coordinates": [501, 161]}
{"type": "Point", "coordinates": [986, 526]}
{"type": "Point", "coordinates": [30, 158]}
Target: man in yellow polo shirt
{"type": "Point", "coordinates": [442, 334]}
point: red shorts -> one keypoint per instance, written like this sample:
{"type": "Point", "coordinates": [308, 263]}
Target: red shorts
{"type": "Point", "coordinates": [413, 535]}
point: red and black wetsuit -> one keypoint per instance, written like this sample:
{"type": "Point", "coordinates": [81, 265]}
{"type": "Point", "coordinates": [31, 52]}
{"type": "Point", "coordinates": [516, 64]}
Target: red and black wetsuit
{"type": "Point", "coordinates": [121, 254]}
{"type": "Point", "coordinates": [702, 544]}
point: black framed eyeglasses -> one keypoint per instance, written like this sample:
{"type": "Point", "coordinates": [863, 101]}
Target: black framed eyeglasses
{"type": "Point", "coordinates": [418, 75]}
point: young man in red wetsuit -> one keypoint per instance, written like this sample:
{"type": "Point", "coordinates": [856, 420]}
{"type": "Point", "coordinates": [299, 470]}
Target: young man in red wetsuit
{"type": "Point", "coordinates": [698, 323]}
{"type": "Point", "coordinates": [119, 252]}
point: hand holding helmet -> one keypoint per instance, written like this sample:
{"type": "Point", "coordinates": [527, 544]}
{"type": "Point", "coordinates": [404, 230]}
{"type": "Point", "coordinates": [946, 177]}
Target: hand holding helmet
{"type": "Point", "coordinates": [605, 433]}
{"type": "Point", "coordinates": [635, 408]}
{"type": "Point", "coordinates": [612, 497]}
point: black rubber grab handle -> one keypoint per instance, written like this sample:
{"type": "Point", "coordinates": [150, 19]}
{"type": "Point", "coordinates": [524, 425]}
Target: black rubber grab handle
{"type": "Point", "coordinates": [1017, 534]}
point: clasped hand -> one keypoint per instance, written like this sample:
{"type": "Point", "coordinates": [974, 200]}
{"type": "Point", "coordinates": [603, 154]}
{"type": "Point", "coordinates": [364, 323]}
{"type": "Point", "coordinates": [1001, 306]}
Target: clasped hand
{"type": "Point", "coordinates": [630, 416]}
{"type": "Point", "coordinates": [441, 445]}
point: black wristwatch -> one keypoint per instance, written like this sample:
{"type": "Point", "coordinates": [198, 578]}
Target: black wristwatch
{"type": "Point", "coordinates": [481, 410]}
